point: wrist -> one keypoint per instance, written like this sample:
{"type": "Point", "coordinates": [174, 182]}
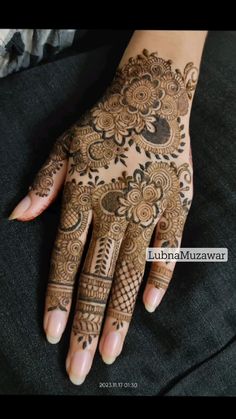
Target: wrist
{"type": "Point", "coordinates": [178, 47]}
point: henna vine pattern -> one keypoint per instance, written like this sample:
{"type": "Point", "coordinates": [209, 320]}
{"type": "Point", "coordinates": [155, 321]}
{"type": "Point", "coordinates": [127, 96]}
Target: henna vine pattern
{"type": "Point", "coordinates": [129, 169]}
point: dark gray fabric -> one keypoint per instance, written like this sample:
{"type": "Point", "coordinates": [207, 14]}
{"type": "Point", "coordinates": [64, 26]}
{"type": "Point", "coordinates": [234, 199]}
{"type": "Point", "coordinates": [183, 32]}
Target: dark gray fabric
{"type": "Point", "coordinates": [216, 376]}
{"type": "Point", "coordinates": [188, 346]}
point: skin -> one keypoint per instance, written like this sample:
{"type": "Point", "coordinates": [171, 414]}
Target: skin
{"type": "Point", "coordinates": [126, 167]}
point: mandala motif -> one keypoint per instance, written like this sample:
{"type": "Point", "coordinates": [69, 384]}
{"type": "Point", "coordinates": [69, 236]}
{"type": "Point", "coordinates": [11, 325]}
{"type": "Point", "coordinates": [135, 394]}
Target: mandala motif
{"type": "Point", "coordinates": [142, 95]}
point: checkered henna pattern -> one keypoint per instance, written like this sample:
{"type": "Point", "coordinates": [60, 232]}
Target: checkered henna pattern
{"type": "Point", "coordinates": [124, 292]}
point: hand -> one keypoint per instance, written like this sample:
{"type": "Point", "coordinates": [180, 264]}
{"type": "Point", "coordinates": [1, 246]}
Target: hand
{"type": "Point", "coordinates": [127, 169]}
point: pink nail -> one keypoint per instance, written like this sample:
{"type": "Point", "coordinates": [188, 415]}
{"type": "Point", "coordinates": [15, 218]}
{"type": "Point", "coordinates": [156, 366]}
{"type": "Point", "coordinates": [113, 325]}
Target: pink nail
{"type": "Point", "coordinates": [55, 325]}
{"type": "Point", "coordinates": [153, 298]}
{"type": "Point", "coordinates": [67, 363]}
{"type": "Point", "coordinates": [111, 347]}
{"type": "Point", "coordinates": [23, 205]}
{"type": "Point", "coordinates": [81, 362]}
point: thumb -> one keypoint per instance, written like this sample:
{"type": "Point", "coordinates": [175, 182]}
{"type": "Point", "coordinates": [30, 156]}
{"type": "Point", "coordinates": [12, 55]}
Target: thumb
{"type": "Point", "coordinates": [46, 184]}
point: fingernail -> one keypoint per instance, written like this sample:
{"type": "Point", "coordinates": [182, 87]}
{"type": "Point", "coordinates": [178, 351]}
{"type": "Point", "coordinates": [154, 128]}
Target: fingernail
{"type": "Point", "coordinates": [67, 363]}
{"type": "Point", "coordinates": [55, 326]}
{"type": "Point", "coordinates": [111, 347]}
{"type": "Point", "coordinates": [23, 205]}
{"type": "Point", "coordinates": [152, 299]}
{"type": "Point", "coordinates": [80, 365]}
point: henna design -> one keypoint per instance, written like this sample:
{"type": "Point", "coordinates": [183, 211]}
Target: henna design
{"type": "Point", "coordinates": [140, 203]}
{"type": "Point", "coordinates": [92, 297]}
{"type": "Point", "coordinates": [94, 287]}
{"type": "Point", "coordinates": [102, 260]}
{"type": "Point", "coordinates": [87, 322]}
{"type": "Point", "coordinates": [65, 257]}
{"type": "Point", "coordinates": [119, 318]}
{"type": "Point", "coordinates": [134, 245]}
{"type": "Point", "coordinates": [43, 181]}
{"type": "Point", "coordinates": [75, 207]}
{"type": "Point", "coordinates": [124, 292]}
{"type": "Point", "coordinates": [166, 177]}
{"type": "Point", "coordinates": [145, 104]}
{"type": "Point", "coordinates": [89, 151]}
{"type": "Point", "coordinates": [160, 277]}
{"type": "Point", "coordinates": [138, 125]}
{"type": "Point", "coordinates": [59, 296]}
{"type": "Point", "coordinates": [129, 273]}
{"type": "Point", "coordinates": [64, 264]}
{"type": "Point", "coordinates": [176, 205]}
{"type": "Point", "coordinates": [68, 247]}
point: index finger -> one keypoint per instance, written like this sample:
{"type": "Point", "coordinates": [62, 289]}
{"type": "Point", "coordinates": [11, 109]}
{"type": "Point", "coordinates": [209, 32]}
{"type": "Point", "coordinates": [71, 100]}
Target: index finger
{"type": "Point", "coordinates": [76, 216]}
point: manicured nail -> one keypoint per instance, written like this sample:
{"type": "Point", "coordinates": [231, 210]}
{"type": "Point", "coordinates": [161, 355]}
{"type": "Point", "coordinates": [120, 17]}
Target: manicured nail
{"type": "Point", "coordinates": [81, 362]}
{"type": "Point", "coordinates": [111, 347]}
{"type": "Point", "coordinates": [55, 326]}
{"type": "Point", "coordinates": [20, 208]}
{"type": "Point", "coordinates": [67, 364]}
{"type": "Point", "coordinates": [153, 298]}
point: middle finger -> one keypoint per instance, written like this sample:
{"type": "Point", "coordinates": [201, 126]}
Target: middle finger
{"type": "Point", "coordinates": [94, 287]}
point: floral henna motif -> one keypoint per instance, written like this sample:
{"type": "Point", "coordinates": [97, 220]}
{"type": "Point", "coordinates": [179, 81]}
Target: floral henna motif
{"type": "Point", "coordinates": [145, 103]}
{"type": "Point", "coordinates": [140, 203]}
{"type": "Point", "coordinates": [89, 151]}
